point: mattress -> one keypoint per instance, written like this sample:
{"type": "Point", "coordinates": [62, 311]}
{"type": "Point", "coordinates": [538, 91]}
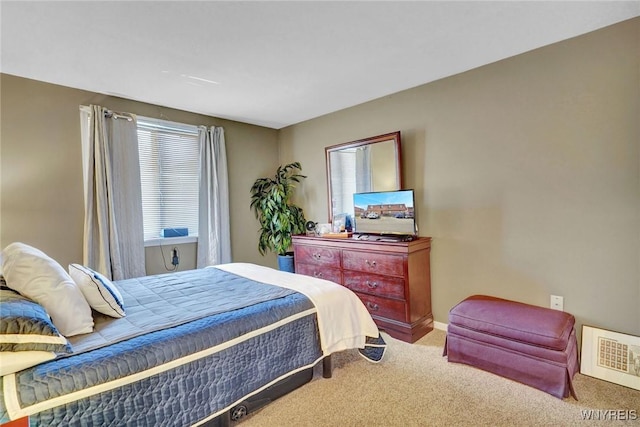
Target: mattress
{"type": "Point", "coordinates": [192, 345]}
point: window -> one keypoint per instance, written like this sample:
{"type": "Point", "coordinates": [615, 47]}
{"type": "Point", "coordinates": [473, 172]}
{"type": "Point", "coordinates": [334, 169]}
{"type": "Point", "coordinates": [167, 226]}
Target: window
{"type": "Point", "coordinates": [169, 169]}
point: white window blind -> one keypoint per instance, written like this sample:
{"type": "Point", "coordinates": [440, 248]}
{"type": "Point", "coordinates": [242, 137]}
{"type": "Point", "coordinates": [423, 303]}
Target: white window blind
{"type": "Point", "coordinates": [169, 170]}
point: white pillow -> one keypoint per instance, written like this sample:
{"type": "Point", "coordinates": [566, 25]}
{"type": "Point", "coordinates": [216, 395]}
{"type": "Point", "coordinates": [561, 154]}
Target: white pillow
{"type": "Point", "coordinates": [101, 294]}
{"type": "Point", "coordinates": [33, 274]}
{"type": "Point", "coordinates": [11, 362]}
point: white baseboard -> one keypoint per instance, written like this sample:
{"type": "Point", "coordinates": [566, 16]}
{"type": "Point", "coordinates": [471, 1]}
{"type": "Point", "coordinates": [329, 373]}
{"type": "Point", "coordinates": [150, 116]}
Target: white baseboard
{"type": "Point", "coordinates": [440, 325]}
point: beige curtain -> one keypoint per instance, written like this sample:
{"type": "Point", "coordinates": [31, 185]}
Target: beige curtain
{"type": "Point", "coordinates": [364, 179]}
{"type": "Point", "coordinates": [214, 237]}
{"type": "Point", "coordinates": [113, 228]}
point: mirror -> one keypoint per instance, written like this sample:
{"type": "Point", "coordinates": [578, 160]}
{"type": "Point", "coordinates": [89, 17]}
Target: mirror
{"type": "Point", "coordinates": [370, 164]}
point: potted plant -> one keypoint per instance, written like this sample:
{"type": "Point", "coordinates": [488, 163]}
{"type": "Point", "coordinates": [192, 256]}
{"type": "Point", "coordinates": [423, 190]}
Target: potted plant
{"type": "Point", "coordinates": [279, 218]}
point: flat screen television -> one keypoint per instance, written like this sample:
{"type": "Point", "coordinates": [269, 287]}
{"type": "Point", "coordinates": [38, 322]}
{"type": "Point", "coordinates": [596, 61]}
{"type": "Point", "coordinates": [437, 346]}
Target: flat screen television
{"type": "Point", "coordinates": [385, 213]}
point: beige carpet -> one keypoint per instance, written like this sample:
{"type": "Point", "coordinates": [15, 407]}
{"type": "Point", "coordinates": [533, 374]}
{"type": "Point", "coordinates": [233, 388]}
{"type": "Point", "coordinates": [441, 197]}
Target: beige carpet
{"type": "Point", "coordinates": [415, 386]}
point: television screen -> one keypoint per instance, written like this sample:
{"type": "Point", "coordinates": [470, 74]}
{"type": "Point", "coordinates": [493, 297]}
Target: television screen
{"type": "Point", "coordinates": [385, 212]}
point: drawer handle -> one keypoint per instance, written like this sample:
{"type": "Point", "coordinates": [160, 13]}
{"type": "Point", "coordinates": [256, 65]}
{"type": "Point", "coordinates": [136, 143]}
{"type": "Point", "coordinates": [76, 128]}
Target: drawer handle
{"type": "Point", "coordinates": [317, 256]}
{"type": "Point", "coordinates": [372, 285]}
{"type": "Point", "coordinates": [372, 307]}
{"type": "Point", "coordinates": [370, 263]}
{"type": "Point", "coordinates": [317, 274]}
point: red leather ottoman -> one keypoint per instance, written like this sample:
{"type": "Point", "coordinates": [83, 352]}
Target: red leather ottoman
{"type": "Point", "coordinates": [529, 344]}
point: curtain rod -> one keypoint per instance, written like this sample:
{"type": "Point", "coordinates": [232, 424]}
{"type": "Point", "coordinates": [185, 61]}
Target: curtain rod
{"type": "Point", "coordinates": [111, 114]}
{"type": "Point", "coordinates": [163, 122]}
{"type": "Point", "coordinates": [108, 113]}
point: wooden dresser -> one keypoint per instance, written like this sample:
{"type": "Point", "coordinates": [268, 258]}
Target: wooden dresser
{"type": "Point", "coordinates": [392, 279]}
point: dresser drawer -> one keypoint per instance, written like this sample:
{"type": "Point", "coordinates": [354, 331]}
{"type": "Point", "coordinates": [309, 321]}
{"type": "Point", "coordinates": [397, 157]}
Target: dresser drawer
{"type": "Point", "coordinates": [384, 286]}
{"type": "Point", "coordinates": [317, 255]}
{"type": "Point", "coordinates": [327, 273]}
{"type": "Point", "coordinates": [382, 307]}
{"type": "Point", "coordinates": [371, 262]}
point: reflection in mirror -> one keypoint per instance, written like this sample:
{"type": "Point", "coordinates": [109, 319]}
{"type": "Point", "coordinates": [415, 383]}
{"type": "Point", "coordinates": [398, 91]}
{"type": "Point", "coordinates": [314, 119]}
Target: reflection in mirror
{"type": "Point", "coordinates": [371, 164]}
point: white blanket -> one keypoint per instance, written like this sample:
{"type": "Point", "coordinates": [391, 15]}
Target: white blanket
{"type": "Point", "coordinates": [343, 320]}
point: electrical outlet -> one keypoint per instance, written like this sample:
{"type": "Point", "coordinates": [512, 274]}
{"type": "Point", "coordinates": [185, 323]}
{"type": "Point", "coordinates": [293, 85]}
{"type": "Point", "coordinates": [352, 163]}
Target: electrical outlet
{"type": "Point", "coordinates": [557, 302]}
{"type": "Point", "coordinates": [175, 260]}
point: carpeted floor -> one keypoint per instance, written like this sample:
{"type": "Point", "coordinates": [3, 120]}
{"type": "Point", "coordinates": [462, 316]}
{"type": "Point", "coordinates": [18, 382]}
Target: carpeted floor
{"type": "Point", "coordinates": [415, 386]}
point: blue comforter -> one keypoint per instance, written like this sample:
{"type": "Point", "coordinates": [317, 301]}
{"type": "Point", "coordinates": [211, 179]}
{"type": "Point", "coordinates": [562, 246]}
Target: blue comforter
{"type": "Point", "coordinates": [192, 345]}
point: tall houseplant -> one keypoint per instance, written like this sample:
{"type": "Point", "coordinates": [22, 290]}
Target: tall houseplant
{"type": "Point", "coordinates": [279, 218]}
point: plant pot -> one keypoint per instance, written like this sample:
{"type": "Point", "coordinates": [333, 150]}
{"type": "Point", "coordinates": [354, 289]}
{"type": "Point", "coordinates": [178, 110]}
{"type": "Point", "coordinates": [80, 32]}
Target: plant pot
{"type": "Point", "coordinates": [285, 262]}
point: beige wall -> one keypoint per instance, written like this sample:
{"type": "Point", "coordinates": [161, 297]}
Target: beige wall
{"type": "Point", "coordinates": [41, 174]}
{"type": "Point", "coordinates": [526, 171]}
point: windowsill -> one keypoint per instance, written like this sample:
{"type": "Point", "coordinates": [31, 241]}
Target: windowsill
{"type": "Point", "coordinates": [161, 241]}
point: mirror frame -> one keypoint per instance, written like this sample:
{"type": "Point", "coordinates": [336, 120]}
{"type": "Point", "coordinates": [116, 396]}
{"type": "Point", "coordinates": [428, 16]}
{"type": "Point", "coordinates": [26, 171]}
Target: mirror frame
{"type": "Point", "coordinates": [393, 136]}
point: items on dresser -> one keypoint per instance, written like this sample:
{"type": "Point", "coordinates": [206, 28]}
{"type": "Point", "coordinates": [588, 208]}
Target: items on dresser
{"type": "Point", "coordinates": [392, 279]}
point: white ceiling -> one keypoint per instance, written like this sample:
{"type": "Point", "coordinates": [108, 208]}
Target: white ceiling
{"type": "Point", "coordinates": [277, 63]}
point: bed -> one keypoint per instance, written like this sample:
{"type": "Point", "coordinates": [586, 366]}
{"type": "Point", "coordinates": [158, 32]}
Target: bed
{"type": "Point", "coordinates": [184, 348]}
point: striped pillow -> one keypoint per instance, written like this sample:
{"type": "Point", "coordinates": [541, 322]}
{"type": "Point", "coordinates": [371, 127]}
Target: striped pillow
{"type": "Point", "coordinates": [101, 293]}
{"type": "Point", "coordinates": [26, 326]}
